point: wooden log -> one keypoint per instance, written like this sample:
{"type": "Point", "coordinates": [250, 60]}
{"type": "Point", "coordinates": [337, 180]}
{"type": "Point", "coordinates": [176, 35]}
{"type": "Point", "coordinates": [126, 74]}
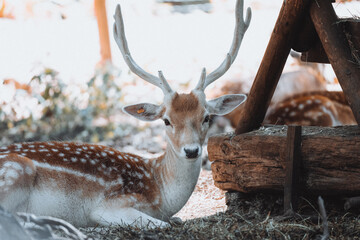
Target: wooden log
{"type": "Point", "coordinates": [272, 64]}
{"type": "Point", "coordinates": [314, 51]}
{"type": "Point", "coordinates": [344, 61]}
{"type": "Point", "coordinates": [255, 161]}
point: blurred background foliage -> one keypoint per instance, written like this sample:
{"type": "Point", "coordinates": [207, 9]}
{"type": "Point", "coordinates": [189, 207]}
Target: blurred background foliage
{"type": "Point", "coordinates": [49, 109]}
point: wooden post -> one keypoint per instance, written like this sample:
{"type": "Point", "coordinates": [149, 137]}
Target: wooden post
{"type": "Point", "coordinates": [267, 77]}
{"type": "Point", "coordinates": [293, 165]}
{"type": "Point", "coordinates": [344, 63]}
{"type": "Point", "coordinates": [100, 12]}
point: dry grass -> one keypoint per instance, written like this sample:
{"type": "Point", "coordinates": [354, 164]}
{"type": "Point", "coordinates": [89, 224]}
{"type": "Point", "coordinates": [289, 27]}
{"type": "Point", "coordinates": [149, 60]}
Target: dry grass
{"type": "Point", "coordinates": [257, 216]}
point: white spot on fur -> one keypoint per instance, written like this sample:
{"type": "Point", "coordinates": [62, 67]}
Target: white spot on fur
{"type": "Point", "coordinates": [139, 175]}
{"type": "Point", "coordinates": [128, 165]}
{"type": "Point", "coordinates": [103, 154]}
{"type": "Point", "coordinates": [9, 181]}
{"type": "Point", "coordinates": [61, 155]}
{"type": "Point", "coordinates": [43, 150]}
{"type": "Point", "coordinates": [83, 160]}
{"type": "Point", "coordinates": [12, 173]}
{"type": "Point", "coordinates": [147, 174]}
{"type": "Point", "coordinates": [74, 159]}
{"type": "Point", "coordinates": [67, 148]}
{"type": "Point", "coordinates": [301, 106]}
{"type": "Point", "coordinates": [3, 156]}
{"type": "Point", "coordinates": [54, 150]}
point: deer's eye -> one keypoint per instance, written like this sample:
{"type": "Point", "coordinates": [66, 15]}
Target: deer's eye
{"type": "Point", "coordinates": [167, 122]}
{"type": "Point", "coordinates": [206, 119]}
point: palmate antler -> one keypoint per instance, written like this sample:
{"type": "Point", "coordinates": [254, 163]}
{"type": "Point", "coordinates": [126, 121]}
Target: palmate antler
{"type": "Point", "coordinates": [240, 28]}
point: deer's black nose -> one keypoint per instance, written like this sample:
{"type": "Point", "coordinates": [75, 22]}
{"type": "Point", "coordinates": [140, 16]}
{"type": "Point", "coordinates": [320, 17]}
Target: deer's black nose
{"type": "Point", "coordinates": [192, 152]}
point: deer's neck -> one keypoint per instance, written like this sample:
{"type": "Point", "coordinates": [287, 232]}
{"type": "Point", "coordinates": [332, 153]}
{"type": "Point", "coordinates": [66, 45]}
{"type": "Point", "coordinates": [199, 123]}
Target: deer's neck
{"type": "Point", "coordinates": [177, 178]}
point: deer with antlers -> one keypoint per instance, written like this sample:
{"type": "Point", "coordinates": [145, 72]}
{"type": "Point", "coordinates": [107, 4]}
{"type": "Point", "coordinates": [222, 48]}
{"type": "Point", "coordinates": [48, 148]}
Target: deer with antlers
{"type": "Point", "coordinates": [88, 184]}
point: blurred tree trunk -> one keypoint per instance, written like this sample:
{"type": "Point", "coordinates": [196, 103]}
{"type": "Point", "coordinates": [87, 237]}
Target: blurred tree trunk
{"type": "Point", "coordinates": [100, 12]}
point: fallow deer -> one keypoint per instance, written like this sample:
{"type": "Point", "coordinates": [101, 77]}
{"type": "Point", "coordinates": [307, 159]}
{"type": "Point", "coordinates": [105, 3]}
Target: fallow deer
{"type": "Point", "coordinates": [318, 108]}
{"type": "Point", "coordinates": [88, 184]}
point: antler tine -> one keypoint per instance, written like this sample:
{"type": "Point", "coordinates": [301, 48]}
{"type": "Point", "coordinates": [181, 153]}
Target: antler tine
{"type": "Point", "coordinates": [120, 38]}
{"type": "Point", "coordinates": [200, 85]}
{"type": "Point", "coordinates": [240, 28]}
{"type": "Point", "coordinates": [164, 84]}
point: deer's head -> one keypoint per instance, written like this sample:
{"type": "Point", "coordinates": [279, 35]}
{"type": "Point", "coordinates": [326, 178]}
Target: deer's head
{"type": "Point", "coordinates": [186, 116]}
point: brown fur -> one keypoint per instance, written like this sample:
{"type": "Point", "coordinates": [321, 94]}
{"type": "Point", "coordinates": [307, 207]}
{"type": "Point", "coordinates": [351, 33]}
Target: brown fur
{"type": "Point", "coordinates": [184, 102]}
{"type": "Point", "coordinates": [110, 165]}
{"type": "Point", "coordinates": [312, 111]}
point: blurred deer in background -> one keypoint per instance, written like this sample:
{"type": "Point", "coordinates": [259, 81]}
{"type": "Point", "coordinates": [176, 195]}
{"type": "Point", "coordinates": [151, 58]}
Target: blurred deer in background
{"type": "Point", "coordinates": [89, 184]}
{"type": "Point", "coordinates": [319, 108]}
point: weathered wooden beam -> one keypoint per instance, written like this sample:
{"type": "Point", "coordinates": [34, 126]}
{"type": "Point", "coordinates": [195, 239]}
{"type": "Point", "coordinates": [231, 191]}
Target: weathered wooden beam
{"type": "Point", "coordinates": [344, 61]}
{"type": "Point", "coordinates": [255, 161]}
{"type": "Point", "coordinates": [293, 166]}
{"type": "Point", "coordinates": [272, 64]}
{"type": "Point", "coordinates": [312, 49]}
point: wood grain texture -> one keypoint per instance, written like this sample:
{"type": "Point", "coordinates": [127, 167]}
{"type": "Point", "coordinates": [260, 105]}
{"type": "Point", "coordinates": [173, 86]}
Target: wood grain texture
{"type": "Point", "coordinates": [255, 161]}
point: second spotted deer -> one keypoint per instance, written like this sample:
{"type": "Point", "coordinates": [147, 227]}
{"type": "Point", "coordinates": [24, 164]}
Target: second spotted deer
{"type": "Point", "coordinates": [89, 185]}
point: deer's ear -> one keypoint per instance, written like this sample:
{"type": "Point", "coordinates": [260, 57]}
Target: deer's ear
{"type": "Point", "coordinates": [144, 111]}
{"type": "Point", "coordinates": [225, 104]}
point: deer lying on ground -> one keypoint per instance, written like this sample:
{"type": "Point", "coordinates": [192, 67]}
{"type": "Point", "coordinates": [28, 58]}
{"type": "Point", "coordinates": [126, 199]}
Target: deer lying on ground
{"type": "Point", "coordinates": [88, 184]}
{"type": "Point", "coordinates": [315, 108]}
{"type": "Point", "coordinates": [318, 108]}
